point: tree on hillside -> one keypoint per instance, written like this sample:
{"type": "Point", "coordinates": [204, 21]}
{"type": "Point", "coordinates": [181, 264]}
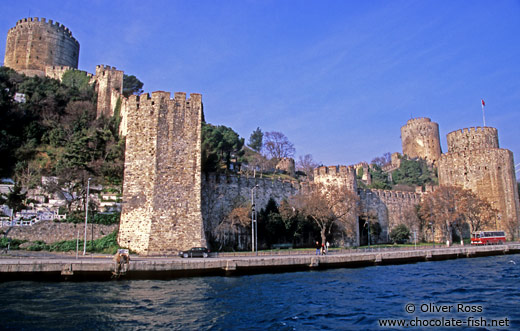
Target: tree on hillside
{"type": "Point", "coordinates": [379, 178]}
{"type": "Point", "coordinates": [277, 145]}
{"type": "Point", "coordinates": [307, 164]}
{"type": "Point", "coordinates": [413, 173]}
{"type": "Point", "coordinates": [76, 79]}
{"type": "Point", "coordinates": [219, 145]}
{"type": "Point", "coordinates": [381, 161]}
{"type": "Point", "coordinates": [328, 206]}
{"type": "Point", "coordinates": [256, 140]}
{"type": "Point", "coordinates": [15, 199]}
{"type": "Point", "coordinates": [131, 85]}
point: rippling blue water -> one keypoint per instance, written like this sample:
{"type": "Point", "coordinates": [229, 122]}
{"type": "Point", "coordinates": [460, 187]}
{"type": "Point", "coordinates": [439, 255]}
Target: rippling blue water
{"type": "Point", "coordinates": [338, 299]}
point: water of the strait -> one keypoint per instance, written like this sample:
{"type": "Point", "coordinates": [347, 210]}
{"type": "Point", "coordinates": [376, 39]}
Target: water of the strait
{"type": "Point", "coordinates": [336, 299]}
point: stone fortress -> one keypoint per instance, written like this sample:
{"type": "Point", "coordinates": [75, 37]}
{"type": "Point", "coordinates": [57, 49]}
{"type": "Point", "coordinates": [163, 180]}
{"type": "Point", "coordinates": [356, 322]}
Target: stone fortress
{"type": "Point", "coordinates": [170, 205]}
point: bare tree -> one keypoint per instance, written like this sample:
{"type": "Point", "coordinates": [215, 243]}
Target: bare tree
{"type": "Point", "coordinates": [307, 164]}
{"type": "Point", "coordinates": [277, 145]}
{"type": "Point", "coordinates": [452, 207]}
{"type": "Point", "coordinates": [381, 161]}
{"type": "Point", "coordinates": [328, 206]}
{"type": "Point", "coordinates": [231, 231]}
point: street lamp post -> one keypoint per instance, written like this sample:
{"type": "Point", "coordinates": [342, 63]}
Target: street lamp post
{"type": "Point", "coordinates": [86, 218]}
{"type": "Point", "coordinates": [254, 227]}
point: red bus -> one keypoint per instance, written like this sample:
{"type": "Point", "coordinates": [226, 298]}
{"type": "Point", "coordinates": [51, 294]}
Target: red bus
{"type": "Point", "coordinates": [488, 238]}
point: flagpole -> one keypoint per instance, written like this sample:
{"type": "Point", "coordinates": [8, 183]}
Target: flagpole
{"type": "Point", "coordinates": [482, 103]}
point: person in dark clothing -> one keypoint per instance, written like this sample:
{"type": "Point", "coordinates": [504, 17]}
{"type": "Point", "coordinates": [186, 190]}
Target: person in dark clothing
{"type": "Point", "coordinates": [318, 248]}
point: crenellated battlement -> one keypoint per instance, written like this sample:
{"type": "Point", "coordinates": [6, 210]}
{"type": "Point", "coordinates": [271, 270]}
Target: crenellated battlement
{"type": "Point", "coordinates": [28, 23]}
{"type": "Point", "coordinates": [34, 43]}
{"type": "Point", "coordinates": [334, 170]}
{"type": "Point", "coordinates": [386, 195]}
{"type": "Point", "coordinates": [472, 138]}
{"type": "Point", "coordinates": [418, 121]}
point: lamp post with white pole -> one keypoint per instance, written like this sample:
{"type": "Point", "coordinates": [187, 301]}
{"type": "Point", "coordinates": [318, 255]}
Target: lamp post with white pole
{"type": "Point", "coordinates": [86, 218]}
{"type": "Point", "coordinates": [254, 228]}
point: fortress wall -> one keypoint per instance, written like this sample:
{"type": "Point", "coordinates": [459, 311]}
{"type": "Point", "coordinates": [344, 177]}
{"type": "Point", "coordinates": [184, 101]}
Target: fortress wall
{"type": "Point", "coordinates": [336, 175]}
{"type": "Point", "coordinates": [469, 139]}
{"type": "Point", "coordinates": [490, 173]}
{"type": "Point", "coordinates": [109, 87]}
{"type": "Point", "coordinates": [221, 193]}
{"type": "Point", "coordinates": [420, 138]}
{"type": "Point", "coordinates": [390, 208]}
{"type": "Point", "coordinates": [162, 184]}
{"type": "Point", "coordinates": [36, 43]}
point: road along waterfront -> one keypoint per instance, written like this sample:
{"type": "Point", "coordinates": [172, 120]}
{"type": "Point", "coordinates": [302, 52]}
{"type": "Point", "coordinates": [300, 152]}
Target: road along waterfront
{"type": "Point", "coordinates": [63, 267]}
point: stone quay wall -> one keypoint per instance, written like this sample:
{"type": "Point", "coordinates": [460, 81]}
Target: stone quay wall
{"type": "Point", "coordinates": [161, 211]}
{"type": "Point", "coordinates": [420, 138]}
{"type": "Point", "coordinates": [36, 43]}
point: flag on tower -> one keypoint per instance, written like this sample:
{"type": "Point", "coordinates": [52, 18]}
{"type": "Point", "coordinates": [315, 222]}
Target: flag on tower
{"type": "Point", "coordinates": [483, 114]}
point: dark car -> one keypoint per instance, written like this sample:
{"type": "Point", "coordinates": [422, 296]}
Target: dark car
{"type": "Point", "coordinates": [195, 252]}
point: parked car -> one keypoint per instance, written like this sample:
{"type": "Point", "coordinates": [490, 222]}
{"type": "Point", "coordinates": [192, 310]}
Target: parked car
{"type": "Point", "coordinates": [195, 252]}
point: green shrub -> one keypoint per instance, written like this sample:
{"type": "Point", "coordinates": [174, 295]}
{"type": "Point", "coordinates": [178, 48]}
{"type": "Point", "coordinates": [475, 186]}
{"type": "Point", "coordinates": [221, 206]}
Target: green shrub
{"type": "Point", "coordinates": [400, 234]}
{"type": "Point", "coordinates": [14, 245]}
{"type": "Point", "coordinates": [38, 246]}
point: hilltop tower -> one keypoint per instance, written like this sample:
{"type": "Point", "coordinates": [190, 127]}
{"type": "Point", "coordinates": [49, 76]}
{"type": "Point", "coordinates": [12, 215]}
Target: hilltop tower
{"type": "Point", "coordinates": [34, 44]}
{"type": "Point", "coordinates": [109, 87]}
{"type": "Point", "coordinates": [162, 181]}
{"type": "Point", "coordinates": [420, 138]}
{"type": "Point", "coordinates": [475, 161]}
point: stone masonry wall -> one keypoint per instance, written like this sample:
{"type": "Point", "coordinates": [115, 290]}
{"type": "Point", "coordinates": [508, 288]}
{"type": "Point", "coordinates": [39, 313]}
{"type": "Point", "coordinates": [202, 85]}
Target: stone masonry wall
{"type": "Point", "coordinates": [472, 139]}
{"type": "Point", "coordinates": [490, 173]}
{"type": "Point", "coordinates": [51, 232]}
{"type": "Point", "coordinates": [162, 182]}
{"type": "Point", "coordinates": [109, 88]}
{"type": "Point", "coordinates": [420, 138]}
{"type": "Point", "coordinates": [390, 208]}
{"type": "Point", "coordinates": [34, 44]}
{"type": "Point", "coordinates": [336, 175]}
{"type": "Point", "coordinates": [220, 193]}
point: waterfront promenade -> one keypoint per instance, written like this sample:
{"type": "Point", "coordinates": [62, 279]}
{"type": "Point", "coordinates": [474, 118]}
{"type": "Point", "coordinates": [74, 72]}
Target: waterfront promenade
{"type": "Point", "coordinates": [21, 265]}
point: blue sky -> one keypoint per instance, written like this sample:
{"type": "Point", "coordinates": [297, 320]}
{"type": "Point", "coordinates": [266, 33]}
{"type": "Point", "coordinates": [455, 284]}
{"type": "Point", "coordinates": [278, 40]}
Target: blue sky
{"type": "Point", "coordinates": [339, 78]}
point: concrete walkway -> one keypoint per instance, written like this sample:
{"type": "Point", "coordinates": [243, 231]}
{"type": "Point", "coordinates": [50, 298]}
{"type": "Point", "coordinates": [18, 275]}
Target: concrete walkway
{"type": "Point", "coordinates": [23, 265]}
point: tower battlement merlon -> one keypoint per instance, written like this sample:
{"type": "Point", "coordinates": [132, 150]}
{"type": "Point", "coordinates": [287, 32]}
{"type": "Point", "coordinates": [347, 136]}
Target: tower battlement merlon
{"type": "Point", "coordinates": [34, 43]}
{"type": "Point", "coordinates": [28, 22]}
{"type": "Point", "coordinates": [472, 138]}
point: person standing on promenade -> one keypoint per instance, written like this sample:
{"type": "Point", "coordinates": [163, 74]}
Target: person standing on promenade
{"type": "Point", "coordinates": [318, 247]}
{"type": "Point", "coordinates": [327, 247]}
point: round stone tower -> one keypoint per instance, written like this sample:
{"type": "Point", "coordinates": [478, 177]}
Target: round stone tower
{"type": "Point", "coordinates": [420, 138]}
{"type": "Point", "coordinates": [472, 139]}
{"type": "Point", "coordinates": [474, 161]}
{"type": "Point", "coordinates": [34, 44]}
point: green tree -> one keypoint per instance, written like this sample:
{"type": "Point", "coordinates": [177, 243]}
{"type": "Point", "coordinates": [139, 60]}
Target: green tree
{"type": "Point", "coordinates": [131, 85]}
{"type": "Point", "coordinates": [76, 79]}
{"type": "Point", "coordinates": [413, 173]}
{"type": "Point", "coordinates": [379, 178]}
{"type": "Point", "coordinates": [219, 145]}
{"type": "Point", "coordinates": [400, 234]}
{"type": "Point", "coordinates": [15, 198]}
{"type": "Point", "coordinates": [256, 140]}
